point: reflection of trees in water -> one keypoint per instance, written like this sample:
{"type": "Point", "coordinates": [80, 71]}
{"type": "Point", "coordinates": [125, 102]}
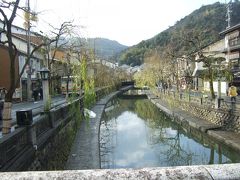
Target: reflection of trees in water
{"type": "Point", "coordinates": [169, 148]}
{"type": "Point", "coordinates": [174, 153]}
{"type": "Point", "coordinates": [108, 129]}
{"type": "Point", "coordinates": [164, 134]}
{"type": "Point", "coordinates": [108, 141]}
{"type": "Point", "coordinates": [170, 145]}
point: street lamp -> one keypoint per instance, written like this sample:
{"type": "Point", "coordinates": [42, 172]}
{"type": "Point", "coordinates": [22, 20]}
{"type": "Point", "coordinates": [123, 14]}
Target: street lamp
{"type": "Point", "coordinates": [44, 72]}
{"type": "Point", "coordinates": [188, 80]}
{"type": "Point", "coordinates": [219, 83]}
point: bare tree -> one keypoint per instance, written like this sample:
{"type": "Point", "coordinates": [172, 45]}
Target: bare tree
{"type": "Point", "coordinates": [61, 43]}
{"type": "Point", "coordinates": [194, 52]}
{"type": "Point", "coordinates": [157, 70]}
{"type": "Point", "coordinates": [209, 60]}
{"type": "Point", "coordinates": [12, 50]}
{"type": "Point", "coordinates": [13, 53]}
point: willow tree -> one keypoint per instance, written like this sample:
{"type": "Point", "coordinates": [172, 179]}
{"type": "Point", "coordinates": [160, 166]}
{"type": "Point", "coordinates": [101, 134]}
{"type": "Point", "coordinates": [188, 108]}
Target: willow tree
{"type": "Point", "coordinates": [157, 70]}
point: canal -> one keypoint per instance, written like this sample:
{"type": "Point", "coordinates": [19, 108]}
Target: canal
{"type": "Point", "coordinates": [134, 133]}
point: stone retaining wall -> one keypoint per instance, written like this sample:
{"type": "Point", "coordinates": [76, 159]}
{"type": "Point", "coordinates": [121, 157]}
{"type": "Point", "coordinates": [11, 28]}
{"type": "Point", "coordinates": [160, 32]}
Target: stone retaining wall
{"type": "Point", "coordinates": [45, 144]}
{"type": "Point", "coordinates": [223, 117]}
{"type": "Point", "coordinates": [191, 116]}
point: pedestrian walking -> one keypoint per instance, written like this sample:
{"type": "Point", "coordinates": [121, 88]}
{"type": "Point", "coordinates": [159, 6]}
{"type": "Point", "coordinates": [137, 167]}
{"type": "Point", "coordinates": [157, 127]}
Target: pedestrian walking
{"type": "Point", "coordinates": [1, 110]}
{"type": "Point", "coordinates": [3, 93]}
{"type": "Point", "coordinates": [232, 92]}
{"type": "Point", "coordinates": [35, 94]}
{"type": "Point", "coordinates": [41, 92]}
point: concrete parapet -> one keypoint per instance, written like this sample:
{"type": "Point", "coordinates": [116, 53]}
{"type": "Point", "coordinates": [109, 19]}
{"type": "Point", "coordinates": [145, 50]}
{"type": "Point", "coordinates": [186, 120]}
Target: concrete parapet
{"type": "Point", "coordinates": [226, 171]}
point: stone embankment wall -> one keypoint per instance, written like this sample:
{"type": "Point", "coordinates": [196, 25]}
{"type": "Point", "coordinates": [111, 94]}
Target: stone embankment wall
{"type": "Point", "coordinates": [46, 143]}
{"type": "Point", "coordinates": [204, 108]}
{"type": "Point", "coordinates": [220, 124]}
{"type": "Point", "coordinates": [225, 119]}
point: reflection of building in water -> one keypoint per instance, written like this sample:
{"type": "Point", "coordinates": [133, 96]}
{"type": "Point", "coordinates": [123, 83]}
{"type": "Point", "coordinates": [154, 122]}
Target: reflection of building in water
{"type": "Point", "coordinates": [108, 136]}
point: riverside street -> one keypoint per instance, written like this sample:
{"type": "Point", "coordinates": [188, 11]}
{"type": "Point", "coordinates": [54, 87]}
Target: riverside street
{"type": "Point", "coordinates": [36, 106]}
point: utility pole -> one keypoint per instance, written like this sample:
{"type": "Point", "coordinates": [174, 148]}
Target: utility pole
{"type": "Point", "coordinates": [229, 11]}
{"type": "Point", "coordinates": [29, 72]}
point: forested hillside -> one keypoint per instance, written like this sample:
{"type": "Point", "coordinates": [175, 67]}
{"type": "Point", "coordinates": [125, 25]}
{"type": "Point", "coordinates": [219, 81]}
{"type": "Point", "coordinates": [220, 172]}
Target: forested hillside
{"type": "Point", "coordinates": [206, 23]}
{"type": "Point", "coordinates": [105, 48]}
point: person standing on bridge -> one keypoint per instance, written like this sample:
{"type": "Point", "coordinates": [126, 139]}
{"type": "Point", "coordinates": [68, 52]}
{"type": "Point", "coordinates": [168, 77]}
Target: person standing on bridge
{"type": "Point", "coordinates": [232, 92]}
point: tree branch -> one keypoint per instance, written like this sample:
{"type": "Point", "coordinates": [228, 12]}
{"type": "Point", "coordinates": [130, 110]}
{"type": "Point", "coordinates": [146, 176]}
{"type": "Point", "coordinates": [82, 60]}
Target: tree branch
{"type": "Point", "coordinates": [30, 56]}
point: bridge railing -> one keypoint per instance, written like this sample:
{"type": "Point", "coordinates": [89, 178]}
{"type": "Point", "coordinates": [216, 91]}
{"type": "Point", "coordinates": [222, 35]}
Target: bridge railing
{"type": "Point", "coordinates": [216, 171]}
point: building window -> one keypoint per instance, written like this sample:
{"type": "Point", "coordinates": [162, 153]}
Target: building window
{"type": "Point", "coordinates": [234, 42]}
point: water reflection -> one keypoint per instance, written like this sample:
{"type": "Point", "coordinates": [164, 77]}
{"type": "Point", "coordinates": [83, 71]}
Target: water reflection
{"type": "Point", "coordinates": [134, 134]}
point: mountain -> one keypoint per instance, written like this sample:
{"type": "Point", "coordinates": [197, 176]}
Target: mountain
{"type": "Point", "coordinates": [104, 48]}
{"type": "Point", "coordinates": [206, 21]}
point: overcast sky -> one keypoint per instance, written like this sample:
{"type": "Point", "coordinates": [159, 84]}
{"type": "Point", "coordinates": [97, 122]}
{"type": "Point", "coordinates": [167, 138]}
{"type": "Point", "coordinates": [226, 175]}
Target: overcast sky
{"type": "Point", "coordinates": [126, 21]}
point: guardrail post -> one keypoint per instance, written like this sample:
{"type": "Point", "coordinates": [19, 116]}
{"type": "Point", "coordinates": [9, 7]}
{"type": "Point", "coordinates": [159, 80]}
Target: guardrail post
{"type": "Point", "coordinates": [32, 135]}
{"type": "Point", "coordinates": [233, 107]}
{"type": "Point", "coordinates": [218, 103]}
{"type": "Point", "coordinates": [81, 105]}
{"type": "Point", "coordinates": [51, 116]}
{"type": "Point", "coordinates": [25, 118]}
{"type": "Point", "coordinates": [181, 95]}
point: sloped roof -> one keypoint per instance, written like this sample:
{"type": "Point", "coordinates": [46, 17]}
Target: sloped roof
{"type": "Point", "coordinates": [231, 29]}
{"type": "Point", "coordinates": [33, 39]}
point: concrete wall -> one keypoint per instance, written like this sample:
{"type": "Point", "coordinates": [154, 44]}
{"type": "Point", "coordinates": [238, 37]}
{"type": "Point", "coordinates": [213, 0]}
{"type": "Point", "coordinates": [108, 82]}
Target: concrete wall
{"type": "Point", "coordinates": [42, 145]}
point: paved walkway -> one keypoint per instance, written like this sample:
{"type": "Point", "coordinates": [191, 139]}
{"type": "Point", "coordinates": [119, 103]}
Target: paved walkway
{"type": "Point", "coordinates": [36, 106]}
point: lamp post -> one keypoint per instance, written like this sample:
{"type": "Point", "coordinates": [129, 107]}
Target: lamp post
{"type": "Point", "coordinates": [219, 83]}
{"type": "Point", "coordinates": [44, 72]}
{"type": "Point", "coordinates": [188, 79]}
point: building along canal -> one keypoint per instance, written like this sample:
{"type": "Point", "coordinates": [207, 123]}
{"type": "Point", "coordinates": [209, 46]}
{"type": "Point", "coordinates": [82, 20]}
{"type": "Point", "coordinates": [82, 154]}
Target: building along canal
{"type": "Point", "coordinates": [134, 133]}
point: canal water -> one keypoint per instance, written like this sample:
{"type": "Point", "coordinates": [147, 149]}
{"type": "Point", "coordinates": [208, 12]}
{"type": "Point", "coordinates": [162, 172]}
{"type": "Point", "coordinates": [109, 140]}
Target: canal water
{"type": "Point", "coordinates": [134, 133]}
